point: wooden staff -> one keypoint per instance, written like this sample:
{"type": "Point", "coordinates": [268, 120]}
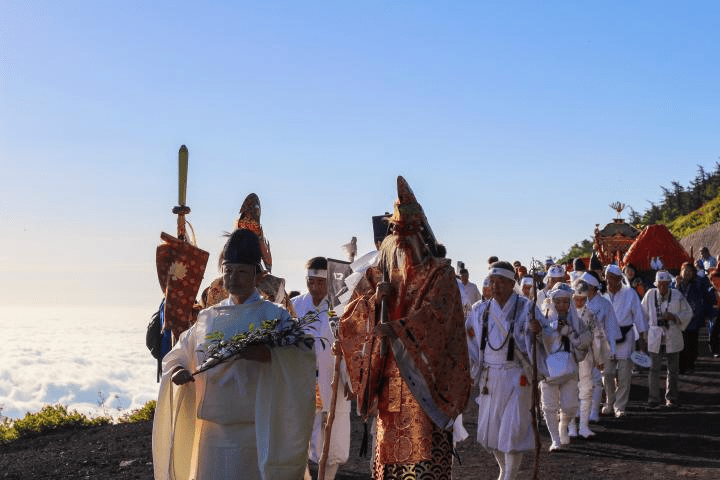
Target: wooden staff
{"type": "Point", "coordinates": [535, 390]}
{"type": "Point", "coordinates": [331, 413]}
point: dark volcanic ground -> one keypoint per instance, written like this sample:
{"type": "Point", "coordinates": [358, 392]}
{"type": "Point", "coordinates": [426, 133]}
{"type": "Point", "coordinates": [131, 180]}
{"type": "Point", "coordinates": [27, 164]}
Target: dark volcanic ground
{"type": "Point", "coordinates": [646, 444]}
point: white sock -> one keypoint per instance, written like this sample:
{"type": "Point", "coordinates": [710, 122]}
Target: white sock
{"type": "Point", "coordinates": [512, 465]}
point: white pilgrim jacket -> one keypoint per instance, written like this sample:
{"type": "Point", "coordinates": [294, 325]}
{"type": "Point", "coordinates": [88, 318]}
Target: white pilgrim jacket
{"type": "Point", "coordinates": [469, 294]}
{"type": "Point", "coordinates": [268, 405]}
{"type": "Point", "coordinates": [605, 315]}
{"type": "Point", "coordinates": [671, 335]}
{"type": "Point", "coordinates": [504, 420]}
{"type": "Point", "coordinates": [628, 311]}
{"type": "Point", "coordinates": [578, 334]}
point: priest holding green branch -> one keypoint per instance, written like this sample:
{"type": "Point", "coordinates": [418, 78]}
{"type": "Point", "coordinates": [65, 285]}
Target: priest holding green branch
{"type": "Point", "coordinates": [232, 407]}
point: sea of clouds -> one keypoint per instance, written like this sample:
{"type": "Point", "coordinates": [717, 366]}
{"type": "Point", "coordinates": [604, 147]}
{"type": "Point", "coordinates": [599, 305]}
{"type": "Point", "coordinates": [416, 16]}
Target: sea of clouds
{"type": "Point", "coordinates": [90, 359]}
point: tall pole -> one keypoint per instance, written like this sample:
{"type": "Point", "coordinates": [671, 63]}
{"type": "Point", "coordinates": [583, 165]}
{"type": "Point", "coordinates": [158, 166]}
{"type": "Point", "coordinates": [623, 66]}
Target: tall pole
{"type": "Point", "coordinates": [535, 386]}
{"type": "Point", "coordinates": [181, 209]}
{"type": "Point", "coordinates": [331, 413]}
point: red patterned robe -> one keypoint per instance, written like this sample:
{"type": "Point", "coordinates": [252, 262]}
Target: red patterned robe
{"type": "Point", "coordinates": [424, 372]}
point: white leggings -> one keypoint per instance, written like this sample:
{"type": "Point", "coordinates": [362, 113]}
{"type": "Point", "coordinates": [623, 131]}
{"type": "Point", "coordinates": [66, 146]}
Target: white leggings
{"type": "Point", "coordinates": [557, 395]}
{"type": "Point", "coordinates": [509, 463]}
{"type": "Point", "coordinates": [590, 379]}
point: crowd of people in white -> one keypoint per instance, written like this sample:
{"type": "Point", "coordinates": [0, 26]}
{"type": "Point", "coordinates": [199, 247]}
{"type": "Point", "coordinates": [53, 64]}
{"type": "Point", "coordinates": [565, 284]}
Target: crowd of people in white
{"type": "Point", "coordinates": [399, 350]}
{"type": "Point", "coordinates": [600, 325]}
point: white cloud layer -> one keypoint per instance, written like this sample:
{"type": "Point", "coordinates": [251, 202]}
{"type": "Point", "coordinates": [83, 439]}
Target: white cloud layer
{"type": "Point", "coordinates": [89, 359]}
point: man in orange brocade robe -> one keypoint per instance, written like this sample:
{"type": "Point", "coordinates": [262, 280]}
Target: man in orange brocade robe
{"type": "Point", "coordinates": [412, 369]}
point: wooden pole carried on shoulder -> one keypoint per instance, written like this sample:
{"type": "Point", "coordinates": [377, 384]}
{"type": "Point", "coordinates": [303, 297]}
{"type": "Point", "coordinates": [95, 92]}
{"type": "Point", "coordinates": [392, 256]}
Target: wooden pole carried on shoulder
{"type": "Point", "coordinates": [331, 412]}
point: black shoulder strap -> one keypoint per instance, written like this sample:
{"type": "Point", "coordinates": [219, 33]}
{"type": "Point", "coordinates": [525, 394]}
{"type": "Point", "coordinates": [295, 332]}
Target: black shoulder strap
{"type": "Point", "coordinates": [511, 332]}
{"type": "Point", "coordinates": [484, 335]}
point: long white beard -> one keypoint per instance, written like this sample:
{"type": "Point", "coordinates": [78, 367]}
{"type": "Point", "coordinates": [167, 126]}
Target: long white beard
{"type": "Point", "coordinates": [400, 253]}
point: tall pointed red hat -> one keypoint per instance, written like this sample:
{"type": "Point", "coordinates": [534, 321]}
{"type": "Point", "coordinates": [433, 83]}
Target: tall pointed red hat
{"type": "Point", "coordinates": [408, 216]}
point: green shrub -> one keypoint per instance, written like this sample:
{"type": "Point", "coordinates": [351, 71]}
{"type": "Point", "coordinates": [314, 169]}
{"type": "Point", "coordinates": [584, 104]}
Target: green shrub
{"type": "Point", "coordinates": [703, 217]}
{"type": "Point", "coordinates": [7, 434]}
{"type": "Point", "coordinates": [50, 418]}
{"type": "Point", "coordinates": [142, 414]}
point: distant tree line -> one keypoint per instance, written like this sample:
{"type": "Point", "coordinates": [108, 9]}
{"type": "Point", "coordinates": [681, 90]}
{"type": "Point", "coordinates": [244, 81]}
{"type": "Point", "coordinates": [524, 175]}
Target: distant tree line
{"type": "Point", "coordinates": [676, 202]}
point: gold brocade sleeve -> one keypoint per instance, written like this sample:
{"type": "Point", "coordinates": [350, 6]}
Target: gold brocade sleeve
{"type": "Point", "coordinates": [360, 347]}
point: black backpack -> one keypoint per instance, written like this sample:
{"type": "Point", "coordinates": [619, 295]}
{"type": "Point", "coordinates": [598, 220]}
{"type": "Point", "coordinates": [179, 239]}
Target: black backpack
{"type": "Point", "coordinates": [154, 335]}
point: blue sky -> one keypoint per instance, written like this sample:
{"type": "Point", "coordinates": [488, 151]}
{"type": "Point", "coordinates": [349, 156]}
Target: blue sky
{"type": "Point", "coordinates": [516, 125]}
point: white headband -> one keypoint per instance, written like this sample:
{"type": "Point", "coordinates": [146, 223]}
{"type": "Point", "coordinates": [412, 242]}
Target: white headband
{"type": "Point", "coordinates": [556, 272]}
{"type": "Point", "coordinates": [561, 290]}
{"type": "Point", "coordinates": [526, 281]}
{"type": "Point", "coordinates": [317, 273]}
{"type": "Point", "coordinates": [662, 276]}
{"type": "Point", "coordinates": [502, 272]}
{"type": "Point", "coordinates": [614, 269]}
{"type": "Point", "coordinates": [589, 279]}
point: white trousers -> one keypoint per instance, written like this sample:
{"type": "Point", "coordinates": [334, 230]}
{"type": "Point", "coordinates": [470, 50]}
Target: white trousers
{"type": "Point", "coordinates": [339, 438]}
{"type": "Point", "coordinates": [590, 381]}
{"type": "Point", "coordinates": [560, 396]}
{"type": "Point", "coordinates": [617, 377]}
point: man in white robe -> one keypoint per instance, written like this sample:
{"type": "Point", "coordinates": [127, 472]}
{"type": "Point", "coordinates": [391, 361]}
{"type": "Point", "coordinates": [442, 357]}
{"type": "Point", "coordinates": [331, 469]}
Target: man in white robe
{"type": "Point", "coordinates": [601, 308]}
{"type": "Point", "coordinates": [469, 292]}
{"type": "Point", "coordinates": [315, 301]}
{"type": "Point", "coordinates": [500, 335]}
{"type": "Point", "coordinates": [250, 416]}
{"type": "Point", "coordinates": [631, 321]}
{"type": "Point", "coordinates": [668, 315]}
